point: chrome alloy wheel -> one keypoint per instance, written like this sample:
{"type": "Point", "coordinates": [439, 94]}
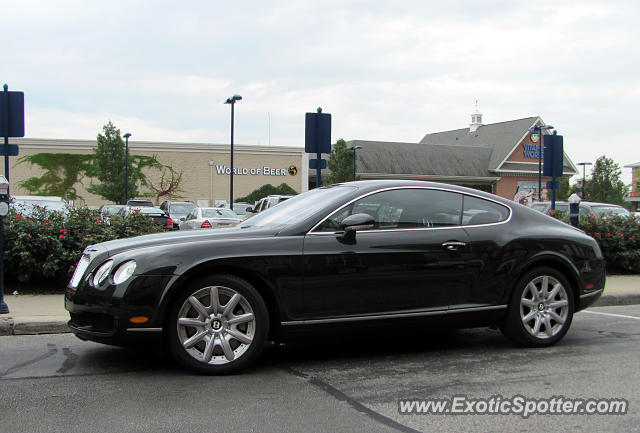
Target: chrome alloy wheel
{"type": "Point", "coordinates": [544, 307]}
{"type": "Point", "coordinates": [216, 325]}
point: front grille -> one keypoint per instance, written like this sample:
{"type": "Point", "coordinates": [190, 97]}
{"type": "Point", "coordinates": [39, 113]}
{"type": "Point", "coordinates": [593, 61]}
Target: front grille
{"type": "Point", "coordinates": [93, 322]}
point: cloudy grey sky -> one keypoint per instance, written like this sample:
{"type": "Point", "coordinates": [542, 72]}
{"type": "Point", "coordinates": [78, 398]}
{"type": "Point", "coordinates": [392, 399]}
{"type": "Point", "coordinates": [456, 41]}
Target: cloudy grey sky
{"type": "Point", "coordinates": [385, 70]}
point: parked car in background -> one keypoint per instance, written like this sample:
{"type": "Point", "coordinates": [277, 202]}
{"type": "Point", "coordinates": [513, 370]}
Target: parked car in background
{"type": "Point", "coordinates": [587, 208]}
{"type": "Point", "coordinates": [210, 218]}
{"type": "Point", "coordinates": [269, 201]}
{"type": "Point", "coordinates": [393, 254]}
{"type": "Point", "coordinates": [25, 204]}
{"type": "Point", "coordinates": [108, 210]}
{"type": "Point", "coordinates": [157, 215]}
{"type": "Point", "coordinates": [243, 210]}
{"type": "Point", "coordinates": [140, 202]}
{"type": "Point", "coordinates": [177, 210]}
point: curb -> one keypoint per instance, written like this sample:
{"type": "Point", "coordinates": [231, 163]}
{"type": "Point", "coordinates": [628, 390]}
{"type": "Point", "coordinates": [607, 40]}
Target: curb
{"type": "Point", "coordinates": [613, 300]}
{"type": "Point", "coordinates": [8, 326]}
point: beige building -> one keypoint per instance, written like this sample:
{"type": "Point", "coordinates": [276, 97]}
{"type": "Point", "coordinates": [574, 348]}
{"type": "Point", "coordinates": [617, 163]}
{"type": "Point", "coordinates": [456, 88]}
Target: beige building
{"type": "Point", "coordinates": [205, 167]}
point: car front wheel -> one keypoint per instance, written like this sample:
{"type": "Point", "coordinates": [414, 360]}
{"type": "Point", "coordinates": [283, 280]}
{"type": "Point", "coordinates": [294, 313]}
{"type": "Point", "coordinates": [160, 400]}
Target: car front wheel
{"type": "Point", "coordinates": [217, 325]}
{"type": "Point", "coordinates": [541, 309]}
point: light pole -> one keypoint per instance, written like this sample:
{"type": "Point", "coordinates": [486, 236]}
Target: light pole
{"type": "Point", "coordinates": [232, 101]}
{"type": "Point", "coordinates": [540, 128]}
{"type": "Point", "coordinates": [353, 149]}
{"type": "Point", "coordinates": [584, 167]}
{"type": "Point", "coordinates": [211, 203]}
{"type": "Point", "coordinates": [126, 167]}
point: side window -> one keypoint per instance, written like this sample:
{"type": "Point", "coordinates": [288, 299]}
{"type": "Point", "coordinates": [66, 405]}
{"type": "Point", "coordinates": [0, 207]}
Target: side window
{"type": "Point", "coordinates": [403, 209]}
{"type": "Point", "coordinates": [479, 211]}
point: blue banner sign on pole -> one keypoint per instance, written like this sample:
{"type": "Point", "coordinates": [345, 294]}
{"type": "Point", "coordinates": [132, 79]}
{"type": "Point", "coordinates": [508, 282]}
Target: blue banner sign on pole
{"type": "Point", "coordinates": [11, 114]}
{"type": "Point", "coordinates": [12, 149]}
{"type": "Point", "coordinates": [313, 164]}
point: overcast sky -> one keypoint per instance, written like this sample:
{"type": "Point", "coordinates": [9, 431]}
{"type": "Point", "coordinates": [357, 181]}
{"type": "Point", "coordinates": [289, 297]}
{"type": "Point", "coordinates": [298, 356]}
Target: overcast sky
{"type": "Point", "coordinates": [385, 70]}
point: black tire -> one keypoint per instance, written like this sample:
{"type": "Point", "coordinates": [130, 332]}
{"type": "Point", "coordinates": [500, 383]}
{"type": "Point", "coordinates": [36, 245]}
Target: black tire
{"type": "Point", "coordinates": [550, 315]}
{"type": "Point", "coordinates": [224, 340]}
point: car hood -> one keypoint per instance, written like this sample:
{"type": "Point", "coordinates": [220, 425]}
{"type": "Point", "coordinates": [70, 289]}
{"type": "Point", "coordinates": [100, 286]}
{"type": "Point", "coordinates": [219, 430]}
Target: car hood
{"type": "Point", "coordinates": [183, 237]}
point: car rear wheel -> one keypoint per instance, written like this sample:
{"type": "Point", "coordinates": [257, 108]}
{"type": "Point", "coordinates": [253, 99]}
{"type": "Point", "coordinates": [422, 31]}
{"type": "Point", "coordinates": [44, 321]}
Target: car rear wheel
{"type": "Point", "coordinates": [541, 309]}
{"type": "Point", "coordinates": [217, 325]}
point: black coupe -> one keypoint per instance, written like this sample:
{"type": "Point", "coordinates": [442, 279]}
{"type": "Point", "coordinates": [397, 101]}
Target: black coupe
{"type": "Point", "coordinates": [354, 254]}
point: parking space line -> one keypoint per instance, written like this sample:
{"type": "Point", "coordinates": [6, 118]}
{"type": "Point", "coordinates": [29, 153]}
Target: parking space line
{"type": "Point", "coordinates": [613, 315]}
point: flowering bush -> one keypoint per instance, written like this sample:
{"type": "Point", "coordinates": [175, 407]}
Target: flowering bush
{"type": "Point", "coordinates": [618, 237]}
{"type": "Point", "coordinates": [619, 240]}
{"type": "Point", "coordinates": [46, 245]}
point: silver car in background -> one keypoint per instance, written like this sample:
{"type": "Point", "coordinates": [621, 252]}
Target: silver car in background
{"type": "Point", "coordinates": [210, 217]}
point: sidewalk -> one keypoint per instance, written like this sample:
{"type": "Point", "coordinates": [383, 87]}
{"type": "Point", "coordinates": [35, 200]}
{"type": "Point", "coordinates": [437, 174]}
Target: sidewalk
{"type": "Point", "coordinates": [45, 314]}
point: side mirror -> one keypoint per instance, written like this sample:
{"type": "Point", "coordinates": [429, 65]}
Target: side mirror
{"type": "Point", "coordinates": [249, 209]}
{"type": "Point", "coordinates": [351, 224]}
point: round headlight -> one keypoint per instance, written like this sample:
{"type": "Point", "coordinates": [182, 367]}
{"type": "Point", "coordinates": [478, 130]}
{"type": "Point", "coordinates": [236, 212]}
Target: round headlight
{"type": "Point", "coordinates": [102, 273]}
{"type": "Point", "coordinates": [124, 272]}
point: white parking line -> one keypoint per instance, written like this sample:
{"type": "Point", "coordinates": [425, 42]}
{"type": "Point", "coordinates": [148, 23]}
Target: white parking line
{"type": "Point", "coordinates": [613, 315]}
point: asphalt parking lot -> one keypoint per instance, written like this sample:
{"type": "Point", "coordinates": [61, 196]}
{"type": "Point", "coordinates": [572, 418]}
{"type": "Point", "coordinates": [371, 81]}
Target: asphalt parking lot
{"type": "Point", "coordinates": [59, 383]}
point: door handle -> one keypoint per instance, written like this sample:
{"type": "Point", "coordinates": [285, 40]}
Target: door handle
{"type": "Point", "coordinates": [454, 245]}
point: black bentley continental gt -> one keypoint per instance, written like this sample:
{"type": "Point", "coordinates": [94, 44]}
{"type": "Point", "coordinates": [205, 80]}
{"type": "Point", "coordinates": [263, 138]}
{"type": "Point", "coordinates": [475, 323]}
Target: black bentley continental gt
{"type": "Point", "coordinates": [353, 254]}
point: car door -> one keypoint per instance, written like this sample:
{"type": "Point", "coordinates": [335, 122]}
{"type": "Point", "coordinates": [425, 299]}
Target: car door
{"type": "Point", "coordinates": [411, 262]}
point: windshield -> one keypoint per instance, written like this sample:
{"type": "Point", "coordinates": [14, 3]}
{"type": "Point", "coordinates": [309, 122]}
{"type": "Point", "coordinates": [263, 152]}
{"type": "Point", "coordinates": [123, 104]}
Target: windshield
{"type": "Point", "coordinates": [182, 208]}
{"type": "Point", "coordinates": [299, 207]}
{"type": "Point", "coordinates": [149, 211]}
{"type": "Point", "coordinates": [27, 206]}
{"type": "Point", "coordinates": [609, 210]}
{"type": "Point", "coordinates": [240, 209]}
{"type": "Point", "coordinates": [218, 213]}
{"type": "Point", "coordinates": [111, 210]}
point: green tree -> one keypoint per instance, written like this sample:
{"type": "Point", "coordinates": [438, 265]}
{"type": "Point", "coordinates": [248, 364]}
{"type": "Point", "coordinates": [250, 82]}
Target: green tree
{"type": "Point", "coordinates": [265, 190]}
{"type": "Point", "coordinates": [340, 163]}
{"type": "Point", "coordinates": [108, 167]}
{"type": "Point", "coordinates": [62, 171]}
{"type": "Point", "coordinates": [606, 185]}
{"type": "Point", "coordinates": [564, 190]}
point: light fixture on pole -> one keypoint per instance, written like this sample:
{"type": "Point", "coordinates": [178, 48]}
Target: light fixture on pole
{"type": "Point", "coordinates": [126, 167]}
{"type": "Point", "coordinates": [232, 101]}
{"type": "Point", "coordinates": [584, 166]}
{"type": "Point", "coordinates": [540, 128]}
{"type": "Point", "coordinates": [353, 149]}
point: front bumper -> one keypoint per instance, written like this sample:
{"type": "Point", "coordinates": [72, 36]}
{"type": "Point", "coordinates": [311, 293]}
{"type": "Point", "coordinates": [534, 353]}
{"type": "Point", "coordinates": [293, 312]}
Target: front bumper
{"type": "Point", "coordinates": [104, 315]}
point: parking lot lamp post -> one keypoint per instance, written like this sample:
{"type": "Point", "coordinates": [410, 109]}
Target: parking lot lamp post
{"type": "Point", "coordinates": [126, 167]}
{"type": "Point", "coordinates": [540, 128]}
{"type": "Point", "coordinates": [353, 149]}
{"type": "Point", "coordinates": [584, 166]}
{"type": "Point", "coordinates": [232, 101]}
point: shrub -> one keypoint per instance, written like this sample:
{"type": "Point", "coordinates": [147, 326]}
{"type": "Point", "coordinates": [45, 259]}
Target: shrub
{"type": "Point", "coordinates": [618, 238]}
{"type": "Point", "coordinates": [46, 245]}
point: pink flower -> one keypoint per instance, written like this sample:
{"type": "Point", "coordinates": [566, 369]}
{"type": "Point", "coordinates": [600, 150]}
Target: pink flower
{"type": "Point", "coordinates": [61, 236]}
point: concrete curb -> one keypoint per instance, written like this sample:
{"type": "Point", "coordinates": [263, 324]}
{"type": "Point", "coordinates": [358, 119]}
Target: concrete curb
{"type": "Point", "coordinates": [613, 300]}
{"type": "Point", "coordinates": [8, 326]}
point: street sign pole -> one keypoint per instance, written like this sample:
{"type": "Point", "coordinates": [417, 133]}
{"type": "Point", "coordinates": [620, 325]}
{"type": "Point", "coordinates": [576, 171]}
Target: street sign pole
{"type": "Point", "coordinates": [4, 308]}
{"type": "Point", "coordinates": [318, 154]}
{"type": "Point", "coordinates": [6, 135]}
{"type": "Point", "coordinates": [11, 125]}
